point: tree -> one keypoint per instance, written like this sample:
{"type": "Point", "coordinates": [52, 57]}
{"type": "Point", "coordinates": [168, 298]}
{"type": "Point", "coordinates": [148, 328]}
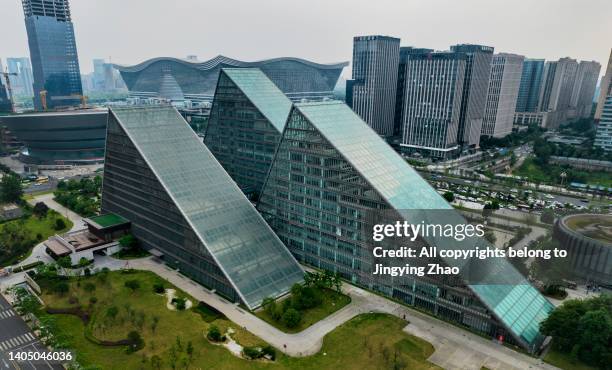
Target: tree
{"type": "Point", "coordinates": [64, 262]}
{"type": "Point", "coordinates": [291, 318]}
{"type": "Point", "coordinates": [548, 216]}
{"type": "Point", "coordinates": [136, 342]}
{"type": "Point", "coordinates": [449, 196]}
{"type": "Point", "coordinates": [133, 285]}
{"type": "Point", "coordinates": [62, 288]}
{"type": "Point", "coordinates": [83, 262]}
{"type": "Point", "coordinates": [40, 210]}
{"type": "Point", "coordinates": [89, 287]}
{"type": "Point", "coordinates": [129, 242]}
{"type": "Point", "coordinates": [10, 188]}
{"type": "Point", "coordinates": [214, 334]}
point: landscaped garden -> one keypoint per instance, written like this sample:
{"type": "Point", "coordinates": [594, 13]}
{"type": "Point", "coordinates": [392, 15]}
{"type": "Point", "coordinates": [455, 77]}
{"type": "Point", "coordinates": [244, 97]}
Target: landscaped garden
{"type": "Point", "coordinates": [119, 320]}
{"type": "Point", "coordinates": [318, 298]}
{"type": "Point", "coordinates": [82, 196]}
{"type": "Point", "coordinates": [18, 237]}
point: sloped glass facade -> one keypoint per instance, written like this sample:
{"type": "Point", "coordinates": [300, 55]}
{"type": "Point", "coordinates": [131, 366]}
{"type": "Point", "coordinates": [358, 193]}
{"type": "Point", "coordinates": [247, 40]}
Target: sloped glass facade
{"type": "Point", "coordinates": [246, 120]}
{"type": "Point", "coordinates": [331, 173]}
{"type": "Point", "coordinates": [180, 201]}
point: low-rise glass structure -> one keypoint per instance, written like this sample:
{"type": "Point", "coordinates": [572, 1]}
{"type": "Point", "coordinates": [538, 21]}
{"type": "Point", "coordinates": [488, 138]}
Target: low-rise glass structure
{"type": "Point", "coordinates": [330, 176]}
{"type": "Point", "coordinates": [245, 124]}
{"type": "Point", "coordinates": [177, 79]}
{"type": "Point", "coordinates": [184, 206]}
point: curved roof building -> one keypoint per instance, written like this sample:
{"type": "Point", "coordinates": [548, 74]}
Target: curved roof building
{"type": "Point", "coordinates": [177, 79]}
{"type": "Point", "coordinates": [54, 137]}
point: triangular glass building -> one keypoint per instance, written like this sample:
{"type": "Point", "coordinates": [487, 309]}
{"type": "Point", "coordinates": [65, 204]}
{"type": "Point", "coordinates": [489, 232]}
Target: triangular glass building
{"type": "Point", "coordinates": [186, 209]}
{"type": "Point", "coordinates": [246, 121]}
{"type": "Point", "coordinates": [332, 173]}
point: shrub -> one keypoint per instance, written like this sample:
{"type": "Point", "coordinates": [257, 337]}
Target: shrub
{"type": "Point", "coordinates": [93, 300]}
{"type": "Point", "coordinates": [87, 271]}
{"type": "Point", "coordinates": [62, 288]}
{"type": "Point", "coordinates": [158, 288]}
{"type": "Point", "coordinates": [252, 352]}
{"type": "Point", "coordinates": [291, 318]}
{"type": "Point", "coordinates": [269, 351]}
{"type": "Point", "coordinates": [60, 224]}
{"type": "Point", "coordinates": [136, 342]}
{"type": "Point", "coordinates": [89, 287]}
{"type": "Point", "coordinates": [133, 285]}
{"type": "Point", "coordinates": [179, 303]}
{"type": "Point", "coordinates": [40, 209]}
{"type": "Point", "coordinates": [214, 334]}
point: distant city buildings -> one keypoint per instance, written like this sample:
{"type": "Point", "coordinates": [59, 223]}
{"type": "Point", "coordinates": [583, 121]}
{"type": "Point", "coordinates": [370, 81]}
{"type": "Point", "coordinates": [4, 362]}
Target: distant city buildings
{"type": "Point", "coordinates": [605, 89]}
{"type": "Point", "coordinates": [22, 83]}
{"type": "Point", "coordinates": [374, 81]}
{"type": "Point", "coordinates": [528, 99]}
{"type": "Point", "coordinates": [433, 86]}
{"type": "Point", "coordinates": [104, 78]}
{"type": "Point", "coordinates": [581, 102]}
{"type": "Point", "coordinates": [603, 137]}
{"type": "Point", "coordinates": [55, 64]}
{"type": "Point", "coordinates": [473, 99]}
{"type": "Point", "coordinates": [502, 94]}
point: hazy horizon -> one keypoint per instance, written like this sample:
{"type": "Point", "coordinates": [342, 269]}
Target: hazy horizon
{"type": "Point", "coordinates": [129, 32]}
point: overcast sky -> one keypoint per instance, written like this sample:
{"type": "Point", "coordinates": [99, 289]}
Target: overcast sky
{"type": "Point", "coordinates": [130, 31]}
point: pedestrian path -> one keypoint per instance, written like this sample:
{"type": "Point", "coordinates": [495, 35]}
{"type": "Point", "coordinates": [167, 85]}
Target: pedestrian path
{"type": "Point", "coordinates": [17, 341]}
{"type": "Point", "coordinates": [6, 314]}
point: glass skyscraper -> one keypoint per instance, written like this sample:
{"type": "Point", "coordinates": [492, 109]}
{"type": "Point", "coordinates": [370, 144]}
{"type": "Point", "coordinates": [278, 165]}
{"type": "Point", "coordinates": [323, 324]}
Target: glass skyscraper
{"type": "Point", "coordinates": [531, 81]}
{"type": "Point", "coordinates": [331, 176]}
{"type": "Point", "coordinates": [181, 202]}
{"type": "Point", "coordinates": [55, 64]}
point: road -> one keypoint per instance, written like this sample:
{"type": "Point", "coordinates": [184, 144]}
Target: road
{"type": "Point", "coordinates": [15, 335]}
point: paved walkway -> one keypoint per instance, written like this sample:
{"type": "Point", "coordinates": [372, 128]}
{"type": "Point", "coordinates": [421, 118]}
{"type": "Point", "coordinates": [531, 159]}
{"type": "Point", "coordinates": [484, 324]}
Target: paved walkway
{"type": "Point", "coordinates": [455, 347]}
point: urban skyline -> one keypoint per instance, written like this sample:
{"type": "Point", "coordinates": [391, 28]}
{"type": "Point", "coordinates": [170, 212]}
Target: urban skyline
{"type": "Point", "coordinates": [583, 40]}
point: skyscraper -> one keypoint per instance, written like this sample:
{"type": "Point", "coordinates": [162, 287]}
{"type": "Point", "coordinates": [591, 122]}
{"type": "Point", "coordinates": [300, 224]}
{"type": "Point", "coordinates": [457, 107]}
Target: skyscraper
{"type": "Point", "coordinates": [605, 89]}
{"type": "Point", "coordinates": [53, 52]}
{"type": "Point", "coordinates": [375, 66]}
{"type": "Point", "coordinates": [21, 84]}
{"type": "Point", "coordinates": [504, 83]}
{"type": "Point", "coordinates": [405, 53]}
{"type": "Point", "coordinates": [556, 92]}
{"type": "Point", "coordinates": [433, 86]}
{"type": "Point", "coordinates": [475, 86]}
{"type": "Point", "coordinates": [531, 82]}
{"type": "Point", "coordinates": [603, 137]}
{"type": "Point", "coordinates": [98, 74]}
{"type": "Point", "coordinates": [583, 91]}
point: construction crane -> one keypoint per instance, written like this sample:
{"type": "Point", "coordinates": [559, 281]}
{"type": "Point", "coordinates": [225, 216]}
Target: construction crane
{"type": "Point", "coordinates": [6, 75]}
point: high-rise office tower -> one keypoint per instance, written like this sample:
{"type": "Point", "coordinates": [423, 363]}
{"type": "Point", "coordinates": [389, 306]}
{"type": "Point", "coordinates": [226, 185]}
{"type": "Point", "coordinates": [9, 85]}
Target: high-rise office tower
{"type": "Point", "coordinates": [55, 64]}
{"type": "Point", "coordinates": [21, 84]}
{"type": "Point", "coordinates": [475, 86]}
{"type": "Point", "coordinates": [603, 137]}
{"type": "Point", "coordinates": [605, 89]}
{"type": "Point", "coordinates": [531, 82]}
{"type": "Point", "coordinates": [504, 83]}
{"type": "Point", "coordinates": [405, 53]}
{"type": "Point", "coordinates": [432, 103]}
{"type": "Point", "coordinates": [556, 92]}
{"type": "Point", "coordinates": [583, 90]}
{"type": "Point", "coordinates": [375, 66]}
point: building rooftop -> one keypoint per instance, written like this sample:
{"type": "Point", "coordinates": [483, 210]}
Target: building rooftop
{"type": "Point", "coordinates": [594, 226]}
{"type": "Point", "coordinates": [249, 254]}
{"type": "Point", "coordinates": [107, 220]}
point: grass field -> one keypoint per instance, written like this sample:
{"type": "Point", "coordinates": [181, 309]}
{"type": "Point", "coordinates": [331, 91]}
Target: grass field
{"type": "Point", "coordinates": [332, 302]}
{"type": "Point", "coordinates": [551, 174]}
{"type": "Point", "coordinates": [565, 362]}
{"type": "Point", "coordinates": [371, 341]}
{"type": "Point", "coordinates": [30, 232]}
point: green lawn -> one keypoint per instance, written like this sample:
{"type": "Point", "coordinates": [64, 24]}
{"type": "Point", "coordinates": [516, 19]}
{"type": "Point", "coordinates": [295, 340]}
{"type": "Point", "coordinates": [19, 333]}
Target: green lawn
{"type": "Point", "coordinates": [332, 301]}
{"type": "Point", "coordinates": [551, 174]}
{"type": "Point", "coordinates": [18, 237]}
{"type": "Point", "coordinates": [370, 341]}
{"type": "Point", "coordinates": [565, 362]}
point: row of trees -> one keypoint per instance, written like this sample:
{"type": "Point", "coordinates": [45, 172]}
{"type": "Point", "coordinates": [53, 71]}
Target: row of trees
{"type": "Point", "coordinates": [81, 196]}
